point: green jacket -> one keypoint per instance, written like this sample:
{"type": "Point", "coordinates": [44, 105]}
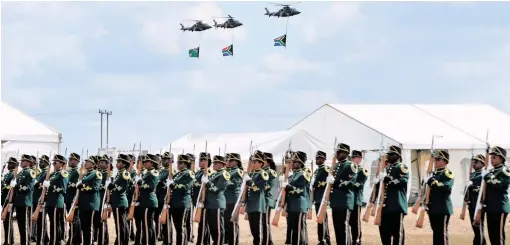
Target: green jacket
{"type": "Point", "coordinates": [131, 186]}
{"type": "Point", "coordinates": [234, 185]}
{"type": "Point", "coordinates": [496, 198]}
{"type": "Point", "coordinates": [215, 196]}
{"type": "Point", "coordinates": [161, 187]}
{"type": "Point", "coordinates": [256, 197]}
{"type": "Point", "coordinates": [197, 184]}
{"type": "Point", "coordinates": [359, 184]}
{"type": "Point", "coordinates": [396, 190]}
{"type": "Point", "coordinates": [473, 190]}
{"type": "Point", "coordinates": [118, 189]}
{"type": "Point", "coordinates": [319, 183]}
{"type": "Point", "coordinates": [57, 189]}
{"type": "Point", "coordinates": [89, 191]}
{"type": "Point", "coordinates": [147, 197]}
{"type": "Point", "coordinates": [102, 189]}
{"type": "Point", "coordinates": [440, 191]}
{"type": "Point", "coordinates": [24, 188]}
{"type": "Point", "coordinates": [181, 192]}
{"type": "Point", "coordinates": [6, 186]}
{"type": "Point", "coordinates": [271, 183]}
{"type": "Point", "coordinates": [38, 186]}
{"type": "Point", "coordinates": [342, 196]}
{"type": "Point", "coordinates": [296, 195]}
{"type": "Point", "coordinates": [71, 187]}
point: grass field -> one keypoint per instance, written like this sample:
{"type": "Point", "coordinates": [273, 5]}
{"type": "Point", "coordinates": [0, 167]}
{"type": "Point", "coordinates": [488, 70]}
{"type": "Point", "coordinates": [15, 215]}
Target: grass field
{"type": "Point", "coordinates": [459, 230]}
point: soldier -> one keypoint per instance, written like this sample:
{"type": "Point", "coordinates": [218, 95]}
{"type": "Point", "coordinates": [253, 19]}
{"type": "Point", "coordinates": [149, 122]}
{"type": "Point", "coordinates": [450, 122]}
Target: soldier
{"type": "Point", "coordinates": [148, 201]}
{"type": "Point", "coordinates": [270, 168]}
{"type": "Point", "coordinates": [342, 196]}
{"type": "Point", "coordinates": [118, 199]}
{"type": "Point", "coordinates": [440, 207]}
{"type": "Point", "coordinates": [256, 198]}
{"type": "Point", "coordinates": [37, 228]}
{"type": "Point", "coordinates": [74, 227]}
{"type": "Point", "coordinates": [129, 193]}
{"type": "Point", "coordinates": [359, 184]}
{"type": "Point", "coordinates": [191, 210]}
{"type": "Point", "coordinates": [56, 190]}
{"type": "Point", "coordinates": [203, 231]}
{"type": "Point", "coordinates": [89, 198]}
{"type": "Point", "coordinates": [297, 199]}
{"type": "Point", "coordinates": [23, 191]}
{"type": "Point", "coordinates": [101, 228]}
{"type": "Point", "coordinates": [319, 187]}
{"type": "Point", "coordinates": [180, 201]}
{"type": "Point", "coordinates": [288, 158]}
{"type": "Point", "coordinates": [166, 229]}
{"type": "Point", "coordinates": [12, 163]}
{"type": "Point", "coordinates": [394, 200]}
{"type": "Point", "coordinates": [139, 215]}
{"type": "Point", "coordinates": [235, 169]}
{"type": "Point", "coordinates": [497, 205]}
{"type": "Point", "coordinates": [472, 198]}
{"type": "Point", "coordinates": [215, 203]}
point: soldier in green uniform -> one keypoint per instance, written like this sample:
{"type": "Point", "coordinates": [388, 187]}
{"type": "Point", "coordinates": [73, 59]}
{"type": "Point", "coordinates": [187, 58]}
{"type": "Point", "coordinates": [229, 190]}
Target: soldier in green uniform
{"type": "Point", "coordinates": [357, 189]}
{"type": "Point", "coordinates": [319, 187]}
{"type": "Point", "coordinates": [22, 202]}
{"type": "Point", "coordinates": [255, 203]}
{"type": "Point", "coordinates": [472, 198]}
{"type": "Point", "coordinates": [440, 208]}
{"type": "Point", "coordinates": [75, 227]}
{"type": "Point", "coordinates": [148, 201]}
{"type": "Point", "coordinates": [497, 205]}
{"type": "Point", "coordinates": [139, 214]}
{"type": "Point", "coordinates": [235, 169]}
{"type": "Point", "coordinates": [44, 163]}
{"type": "Point", "coordinates": [342, 197]}
{"type": "Point", "coordinates": [298, 199]}
{"type": "Point", "coordinates": [166, 229]}
{"type": "Point", "coordinates": [56, 190]}
{"type": "Point", "coordinates": [118, 199]}
{"type": "Point", "coordinates": [203, 230]}
{"type": "Point", "coordinates": [101, 228]}
{"type": "Point", "coordinates": [191, 210]}
{"type": "Point", "coordinates": [129, 194]}
{"type": "Point", "coordinates": [215, 202]}
{"type": "Point", "coordinates": [288, 158]}
{"type": "Point", "coordinates": [12, 163]}
{"type": "Point", "coordinates": [394, 200]}
{"type": "Point", "coordinates": [89, 198]}
{"type": "Point", "coordinates": [270, 168]}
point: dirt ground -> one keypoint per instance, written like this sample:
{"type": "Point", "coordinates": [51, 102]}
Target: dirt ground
{"type": "Point", "coordinates": [459, 230]}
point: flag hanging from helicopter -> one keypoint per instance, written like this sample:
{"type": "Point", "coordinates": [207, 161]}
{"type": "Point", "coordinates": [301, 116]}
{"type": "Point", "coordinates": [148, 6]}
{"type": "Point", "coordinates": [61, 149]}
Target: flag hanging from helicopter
{"type": "Point", "coordinates": [285, 12]}
{"type": "Point", "coordinates": [281, 41]}
{"type": "Point", "coordinates": [228, 51]}
{"type": "Point", "coordinates": [194, 52]}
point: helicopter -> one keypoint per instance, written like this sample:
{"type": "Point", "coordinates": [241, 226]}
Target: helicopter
{"type": "Point", "coordinates": [198, 26]}
{"type": "Point", "coordinates": [286, 11]}
{"type": "Point", "coordinates": [230, 23]}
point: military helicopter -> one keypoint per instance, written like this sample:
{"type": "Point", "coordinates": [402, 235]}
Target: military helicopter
{"type": "Point", "coordinates": [229, 24]}
{"type": "Point", "coordinates": [198, 26]}
{"type": "Point", "coordinates": [286, 11]}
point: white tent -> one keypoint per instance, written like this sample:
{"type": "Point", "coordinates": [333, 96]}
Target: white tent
{"type": "Point", "coordinates": [20, 132]}
{"type": "Point", "coordinates": [458, 128]}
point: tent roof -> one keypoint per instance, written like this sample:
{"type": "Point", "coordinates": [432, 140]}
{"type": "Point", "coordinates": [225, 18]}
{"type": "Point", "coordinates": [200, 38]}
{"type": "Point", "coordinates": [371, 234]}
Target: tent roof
{"type": "Point", "coordinates": [18, 126]}
{"type": "Point", "coordinates": [411, 126]}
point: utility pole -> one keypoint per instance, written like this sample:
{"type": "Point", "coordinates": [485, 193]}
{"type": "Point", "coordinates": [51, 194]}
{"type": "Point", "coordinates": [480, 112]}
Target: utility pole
{"type": "Point", "coordinates": [101, 112]}
{"type": "Point", "coordinates": [107, 113]}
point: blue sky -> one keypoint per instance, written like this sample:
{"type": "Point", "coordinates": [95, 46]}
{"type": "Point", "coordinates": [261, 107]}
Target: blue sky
{"type": "Point", "coordinates": [63, 61]}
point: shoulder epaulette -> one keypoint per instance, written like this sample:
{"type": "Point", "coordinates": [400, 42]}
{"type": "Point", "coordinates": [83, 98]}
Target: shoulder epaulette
{"type": "Point", "coordinates": [404, 168]}
{"type": "Point", "coordinates": [155, 172]}
{"type": "Point", "coordinates": [33, 174]}
{"type": "Point", "coordinates": [64, 173]}
{"type": "Point", "coordinates": [264, 175]}
{"type": "Point", "coordinates": [99, 175]}
{"type": "Point", "coordinates": [126, 175]}
{"type": "Point", "coordinates": [226, 175]}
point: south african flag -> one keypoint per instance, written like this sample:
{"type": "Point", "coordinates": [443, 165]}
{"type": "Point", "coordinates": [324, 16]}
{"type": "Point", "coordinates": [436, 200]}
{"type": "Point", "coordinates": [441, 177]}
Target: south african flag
{"type": "Point", "coordinates": [228, 51]}
{"type": "Point", "coordinates": [194, 52]}
{"type": "Point", "coordinates": [281, 41]}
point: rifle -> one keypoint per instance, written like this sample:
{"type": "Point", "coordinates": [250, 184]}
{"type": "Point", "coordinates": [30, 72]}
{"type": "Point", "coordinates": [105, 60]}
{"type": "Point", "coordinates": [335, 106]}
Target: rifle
{"type": "Point", "coordinates": [106, 197]}
{"type": "Point", "coordinates": [423, 189]}
{"type": "Point", "coordinates": [41, 203]}
{"type": "Point", "coordinates": [164, 213]}
{"type": "Point", "coordinates": [8, 207]}
{"type": "Point", "coordinates": [131, 213]}
{"type": "Point", "coordinates": [240, 206]}
{"type": "Point", "coordinates": [466, 188]}
{"type": "Point", "coordinates": [202, 193]}
{"type": "Point", "coordinates": [481, 195]}
{"type": "Point", "coordinates": [309, 215]}
{"type": "Point", "coordinates": [325, 198]}
{"type": "Point", "coordinates": [281, 202]}
{"type": "Point", "coordinates": [421, 216]}
{"type": "Point", "coordinates": [373, 198]}
{"type": "Point", "coordinates": [382, 193]}
{"type": "Point", "coordinates": [70, 216]}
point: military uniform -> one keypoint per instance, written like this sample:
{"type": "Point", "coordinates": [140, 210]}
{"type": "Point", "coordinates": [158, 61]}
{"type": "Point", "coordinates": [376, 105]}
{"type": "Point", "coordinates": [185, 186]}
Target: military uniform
{"type": "Point", "coordinates": [319, 187]}
{"type": "Point", "coordinates": [35, 198]}
{"type": "Point", "coordinates": [6, 188]}
{"type": "Point", "coordinates": [75, 226]}
{"type": "Point", "coordinates": [148, 201]}
{"type": "Point", "coordinates": [440, 207]}
{"type": "Point", "coordinates": [89, 200]}
{"type": "Point", "coordinates": [166, 229]}
{"type": "Point", "coordinates": [180, 201]}
{"type": "Point", "coordinates": [341, 198]}
{"type": "Point", "coordinates": [203, 230]}
{"type": "Point", "coordinates": [129, 193]}
{"type": "Point", "coordinates": [119, 202]}
{"type": "Point", "coordinates": [298, 202]}
{"type": "Point", "coordinates": [394, 201]}
{"type": "Point", "coordinates": [191, 210]}
{"type": "Point", "coordinates": [56, 190]}
{"type": "Point", "coordinates": [22, 202]}
{"type": "Point", "coordinates": [232, 195]}
{"type": "Point", "coordinates": [357, 189]}
{"type": "Point", "coordinates": [215, 202]}
{"type": "Point", "coordinates": [497, 205]}
{"type": "Point", "coordinates": [256, 205]}
{"type": "Point", "coordinates": [101, 228]}
{"type": "Point", "coordinates": [41, 225]}
{"type": "Point", "coordinates": [471, 198]}
{"type": "Point", "coordinates": [270, 201]}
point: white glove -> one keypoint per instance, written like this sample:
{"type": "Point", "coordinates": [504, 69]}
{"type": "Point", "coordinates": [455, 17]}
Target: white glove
{"type": "Point", "coordinates": [205, 179]}
{"type": "Point", "coordinates": [468, 183]}
{"type": "Point", "coordinates": [426, 180]}
{"type": "Point", "coordinates": [484, 172]}
{"type": "Point", "coordinates": [46, 184]}
{"type": "Point", "coordinates": [107, 183]}
{"type": "Point", "coordinates": [13, 183]}
{"type": "Point", "coordinates": [284, 184]}
{"type": "Point", "coordinates": [137, 178]}
{"type": "Point", "coordinates": [330, 180]}
{"type": "Point", "coordinates": [246, 177]}
{"type": "Point", "coordinates": [313, 180]}
{"type": "Point", "coordinates": [376, 180]}
{"type": "Point", "coordinates": [169, 182]}
{"type": "Point", "coordinates": [382, 175]}
{"type": "Point", "coordinates": [281, 178]}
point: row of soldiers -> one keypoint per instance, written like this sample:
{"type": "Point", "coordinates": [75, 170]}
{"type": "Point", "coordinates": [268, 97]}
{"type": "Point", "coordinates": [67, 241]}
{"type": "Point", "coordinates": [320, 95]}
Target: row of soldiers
{"type": "Point", "coordinates": [303, 191]}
